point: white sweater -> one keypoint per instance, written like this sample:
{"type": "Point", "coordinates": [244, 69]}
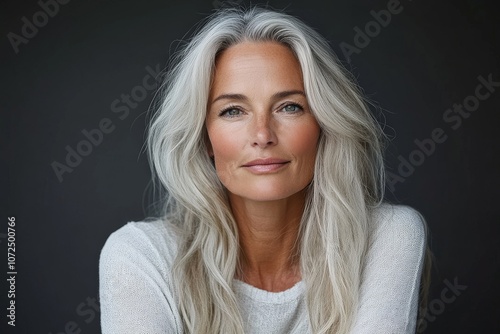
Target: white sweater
{"type": "Point", "coordinates": [136, 291]}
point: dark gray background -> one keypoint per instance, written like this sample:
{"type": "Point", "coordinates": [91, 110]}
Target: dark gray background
{"type": "Point", "coordinates": [65, 78]}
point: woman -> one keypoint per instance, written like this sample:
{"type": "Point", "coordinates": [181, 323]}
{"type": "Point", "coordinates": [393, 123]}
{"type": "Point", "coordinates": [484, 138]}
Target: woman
{"type": "Point", "coordinates": [274, 221]}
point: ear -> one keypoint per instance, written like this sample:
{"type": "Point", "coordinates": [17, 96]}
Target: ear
{"type": "Point", "coordinates": [210, 150]}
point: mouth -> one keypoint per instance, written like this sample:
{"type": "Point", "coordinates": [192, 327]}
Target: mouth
{"type": "Point", "coordinates": [260, 166]}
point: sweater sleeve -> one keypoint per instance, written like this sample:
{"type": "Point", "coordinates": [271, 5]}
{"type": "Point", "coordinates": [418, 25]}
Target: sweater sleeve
{"type": "Point", "coordinates": [135, 293]}
{"type": "Point", "coordinates": [391, 277]}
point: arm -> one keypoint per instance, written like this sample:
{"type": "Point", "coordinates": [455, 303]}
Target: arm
{"type": "Point", "coordinates": [134, 291]}
{"type": "Point", "coordinates": [391, 277]}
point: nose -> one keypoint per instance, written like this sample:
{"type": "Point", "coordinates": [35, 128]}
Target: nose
{"type": "Point", "coordinates": [263, 132]}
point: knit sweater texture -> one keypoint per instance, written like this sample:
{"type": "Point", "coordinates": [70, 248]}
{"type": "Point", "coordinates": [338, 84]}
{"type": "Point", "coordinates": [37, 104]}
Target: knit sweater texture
{"type": "Point", "coordinates": [137, 294]}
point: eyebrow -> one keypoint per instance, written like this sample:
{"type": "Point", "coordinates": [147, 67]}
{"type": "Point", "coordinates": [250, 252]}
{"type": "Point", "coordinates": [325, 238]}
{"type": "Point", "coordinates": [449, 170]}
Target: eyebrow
{"type": "Point", "coordinates": [277, 95]}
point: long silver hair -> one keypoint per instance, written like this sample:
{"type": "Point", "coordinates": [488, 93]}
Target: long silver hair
{"type": "Point", "coordinates": [348, 178]}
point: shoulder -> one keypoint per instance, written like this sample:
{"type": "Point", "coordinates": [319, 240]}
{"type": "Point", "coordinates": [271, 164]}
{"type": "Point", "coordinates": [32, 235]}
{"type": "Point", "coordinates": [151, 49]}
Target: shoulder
{"type": "Point", "coordinates": [154, 241]}
{"type": "Point", "coordinates": [397, 222]}
{"type": "Point", "coordinates": [398, 234]}
{"type": "Point", "coordinates": [135, 274]}
{"type": "Point", "coordinates": [392, 270]}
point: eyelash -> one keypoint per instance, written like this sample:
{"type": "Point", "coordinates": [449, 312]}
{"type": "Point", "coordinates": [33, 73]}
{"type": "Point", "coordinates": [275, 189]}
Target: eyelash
{"type": "Point", "coordinates": [231, 107]}
{"type": "Point", "coordinates": [301, 108]}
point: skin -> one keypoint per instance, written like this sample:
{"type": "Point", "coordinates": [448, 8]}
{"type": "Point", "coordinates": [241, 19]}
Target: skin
{"type": "Point", "coordinates": [267, 118]}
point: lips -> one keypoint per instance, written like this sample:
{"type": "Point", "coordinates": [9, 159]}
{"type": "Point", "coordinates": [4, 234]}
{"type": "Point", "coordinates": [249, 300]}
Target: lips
{"type": "Point", "coordinates": [260, 166]}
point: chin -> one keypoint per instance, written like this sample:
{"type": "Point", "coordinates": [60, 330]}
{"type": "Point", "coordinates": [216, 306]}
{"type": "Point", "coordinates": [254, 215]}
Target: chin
{"type": "Point", "coordinates": [268, 192]}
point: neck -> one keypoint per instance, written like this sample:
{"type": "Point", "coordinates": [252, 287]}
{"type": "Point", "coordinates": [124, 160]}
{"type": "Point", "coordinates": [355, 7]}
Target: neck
{"type": "Point", "coordinates": [268, 233]}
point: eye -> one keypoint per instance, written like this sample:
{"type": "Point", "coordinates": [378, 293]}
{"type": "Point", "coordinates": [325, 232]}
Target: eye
{"type": "Point", "coordinates": [292, 108]}
{"type": "Point", "coordinates": [230, 112]}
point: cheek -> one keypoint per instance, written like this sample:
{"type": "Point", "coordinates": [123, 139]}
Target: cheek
{"type": "Point", "coordinates": [304, 140]}
{"type": "Point", "coordinates": [222, 141]}
{"type": "Point", "coordinates": [224, 147]}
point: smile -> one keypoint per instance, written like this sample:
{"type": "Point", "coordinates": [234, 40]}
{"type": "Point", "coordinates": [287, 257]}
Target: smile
{"type": "Point", "coordinates": [262, 166]}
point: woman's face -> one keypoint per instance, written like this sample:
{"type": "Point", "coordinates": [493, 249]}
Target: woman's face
{"type": "Point", "coordinates": [262, 134]}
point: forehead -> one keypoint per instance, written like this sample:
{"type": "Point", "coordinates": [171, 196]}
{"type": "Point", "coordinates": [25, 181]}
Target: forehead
{"type": "Point", "coordinates": [256, 63]}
